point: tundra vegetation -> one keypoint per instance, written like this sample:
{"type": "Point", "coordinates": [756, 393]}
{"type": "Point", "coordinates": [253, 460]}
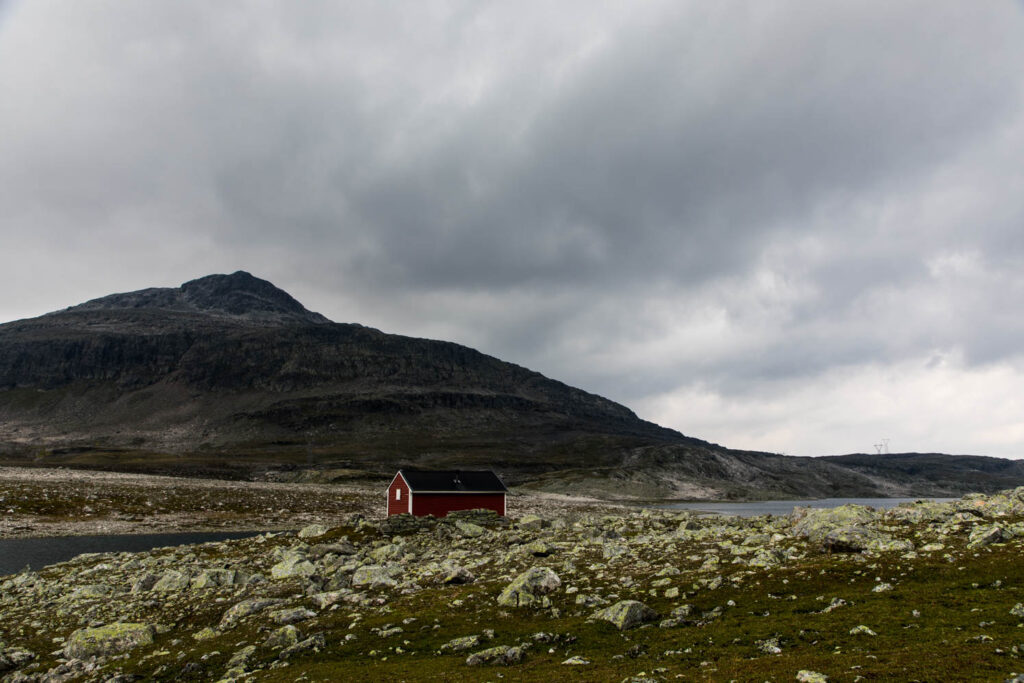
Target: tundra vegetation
{"type": "Point", "coordinates": [925, 591]}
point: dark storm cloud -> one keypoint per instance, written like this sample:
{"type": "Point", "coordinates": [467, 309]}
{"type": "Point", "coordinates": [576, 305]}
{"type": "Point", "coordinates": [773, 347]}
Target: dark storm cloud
{"type": "Point", "coordinates": [647, 199]}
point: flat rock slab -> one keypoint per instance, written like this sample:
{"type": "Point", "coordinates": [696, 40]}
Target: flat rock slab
{"type": "Point", "coordinates": [111, 639]}
{"type": "Point", "coordinates": [626, 614]}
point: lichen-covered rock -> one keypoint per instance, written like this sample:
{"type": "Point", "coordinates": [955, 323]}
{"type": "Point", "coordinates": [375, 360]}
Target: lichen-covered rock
{"type": "Point", "coordinates": [530, 522]}
{"type": "Point", "coordinates": [91, 591]}
{"type": "Point", "coordinates": [315, 642]}
{"type": "Point", "coordinates": [376, 576]}
{"type": "Point", "coordinates": [282, 638]}
{"type": "Point", "coordinates": [850, 539]}
{"type": "Point", "coordinates": [292, 615]}
{"type": "Point", "coordinates": [815, 524]}
{"type": "Point", "coordinates": [885, 544]}
{"type": "Point", "coordinates": [313, 531]}
{"type": "Point", "coordinates": [766, 558]}
{"type": "Point", "coordinates": [470, 530]}
{"type": "Point", "coordinates": [610, 551]}
{"type": "Point", "coordinates": [626, 614]}
{"type": "Point", "coordinates": [292, 565]}
{"type": "Point", "coordinates": [240, 659]}
{"type": "Point", "coordinates": [12, 659]}
{"type": "Point", "coordinates": [325, 600]}
{"type": "Point", "coordinates": [1018, 610]}
{"type": "Point", "coordinates": [172, 581]}
{"type": "Point", "coordinates": [246, 608]}
{"type": "Point", "coordinates": [456, 574]}
{"type": "Point", "coordinates": [987, 535]}
{"type": "Point", "coordinates": [808, 676]}
{"type": "Point", "coordinates": [920, 511]}
{"type": "Point", "coordinates": [215, 578]}
{"type": "Point", "coordinates": [540, 548]}
{"type": "Point", "coordinates": [391, 551]}
{"type": "Point", "coordinates": [460, 644]}
{"type": "Point", "coordinates": [144, 582]}
{"type": "Point", "coordinates": [502, 655]}
{"type": "Point", "coordinates": [111, 639]}
{"type": "Point", "coordinates": [530, 588]}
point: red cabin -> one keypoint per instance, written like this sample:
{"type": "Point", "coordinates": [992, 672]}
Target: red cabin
{"type": "Point", "coordinates": [438, 492]}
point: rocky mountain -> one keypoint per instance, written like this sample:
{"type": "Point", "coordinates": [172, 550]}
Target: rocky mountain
{"type": "Point", "coordinates": [229, 375]}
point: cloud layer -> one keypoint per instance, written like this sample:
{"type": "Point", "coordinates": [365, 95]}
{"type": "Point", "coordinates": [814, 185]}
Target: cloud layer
{"type": "Point", "coordinates": [779, 226]}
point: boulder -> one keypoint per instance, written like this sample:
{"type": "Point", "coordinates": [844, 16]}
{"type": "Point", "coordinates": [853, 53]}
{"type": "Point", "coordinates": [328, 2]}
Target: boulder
{"type": "Point", "coordinates": [286, 636]}
{"type": "Point", "coordinates": [849, 539]}
{"type": "Point", "coordinates": [14, 658]}
{"type": "Point", "coordinates": [144, 583]}
{"type": "Point", "coordinates": [470, 530]}
{"type": "Point", "coordinates": [91, 591]}
{"type": "Point", "coordinates": [814, 524]}
{"type": "Point", "coordinates": [215, 578]}
{"type": "Point", "coordinates": [456, 574]}
{"type": "Point", "coordinates": [530, 588]}
{"type": "Point", "coordinates": [540, 548]}
{"type": "Point", "coordinates": [246, 608]}
{"type": "Point", "coordinates": [312, 531]}
{"type": "Point", "coordinates": [315, 642]}
{"type": "Point", "coordinates": [376, 576]}
{"type": "Point", "coordinates": [626, 614]}
{"type": "Point", "coordinates": [172, 581]}
{"type": "Point", "coordinates": [502, 655]}
{"type": "Point", "coordinates": [292, 565]}
{"type": "Point", "coordinates": [391, 551]}
{"type": "Point", "coordinates": [987, 535]}
{"type": "Point", "coordinates": [766, 558]}
{"type": "Point", "coordinates": [885, 544]}
{"type": "Point", "coordinates": [460, 644]}
{"type": "Point", "coordinates": [530, 522]}
{"type": "Point", "coordinates": [292, 615]}
{"type": "Point", "coordinates": [111, 639]}
{"type": "Point", "coordinates": [325, 600]}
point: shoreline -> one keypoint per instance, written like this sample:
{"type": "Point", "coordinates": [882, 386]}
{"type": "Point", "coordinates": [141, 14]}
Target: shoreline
{"type": "Point", "coordinates": [56, 502]}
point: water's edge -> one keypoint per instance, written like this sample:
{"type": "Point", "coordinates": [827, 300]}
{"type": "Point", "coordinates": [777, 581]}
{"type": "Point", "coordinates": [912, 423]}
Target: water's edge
{"type": "Point", "coordinates": [35, 553]}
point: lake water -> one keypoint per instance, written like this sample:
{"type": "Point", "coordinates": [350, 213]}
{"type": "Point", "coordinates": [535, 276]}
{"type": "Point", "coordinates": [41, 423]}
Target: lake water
{"type": "Point", "coordinates": [36, 553]}
{"type": "Point", "coordinates": [784, 507]}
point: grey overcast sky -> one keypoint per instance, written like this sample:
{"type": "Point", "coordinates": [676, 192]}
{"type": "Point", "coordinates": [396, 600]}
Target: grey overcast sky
{"type": "Point", "coordinates": [786, 226]}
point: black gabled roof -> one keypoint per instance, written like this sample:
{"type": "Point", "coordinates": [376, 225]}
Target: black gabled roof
{"type": "Point", "coordinates": [455, 481]}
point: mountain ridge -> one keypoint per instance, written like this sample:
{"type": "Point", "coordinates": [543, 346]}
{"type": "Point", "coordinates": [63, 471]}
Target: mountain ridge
{"type": "Point", "coordinates": [231, 376]}
{"type": "Point", "coordinates": [238, 295]}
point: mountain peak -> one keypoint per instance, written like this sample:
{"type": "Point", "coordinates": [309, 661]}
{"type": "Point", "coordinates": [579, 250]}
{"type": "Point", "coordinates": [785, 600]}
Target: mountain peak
{"type": "Point", "coordinates": [238, 295]}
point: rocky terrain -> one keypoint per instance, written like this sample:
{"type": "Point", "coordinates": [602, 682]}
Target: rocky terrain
{"type": "Point", "coordinates": [36, 502]}
{"type": "Point", "coordinates": [925, 591]}
{"type": "Point", "coordinates": [228, 376]}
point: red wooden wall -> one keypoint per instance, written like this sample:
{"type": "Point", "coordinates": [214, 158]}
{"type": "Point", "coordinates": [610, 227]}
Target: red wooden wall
{"type": "Point", "coordinates": [396, 505]}
{"type": "Point", "coordinates": [440, 504]}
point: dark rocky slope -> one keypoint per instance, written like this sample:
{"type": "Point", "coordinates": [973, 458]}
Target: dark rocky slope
{"type": "Point", "coordinates": [230, 375]}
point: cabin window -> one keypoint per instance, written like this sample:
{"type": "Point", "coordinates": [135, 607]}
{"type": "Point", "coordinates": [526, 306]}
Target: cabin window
{"type": "Point", "coordinates": [398, 494]}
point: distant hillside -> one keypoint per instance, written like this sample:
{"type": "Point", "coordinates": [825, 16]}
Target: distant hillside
{"type": "Point", "coordinates": [936, 472]}
{"type": "Point", "coordinates": [228, 375]}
